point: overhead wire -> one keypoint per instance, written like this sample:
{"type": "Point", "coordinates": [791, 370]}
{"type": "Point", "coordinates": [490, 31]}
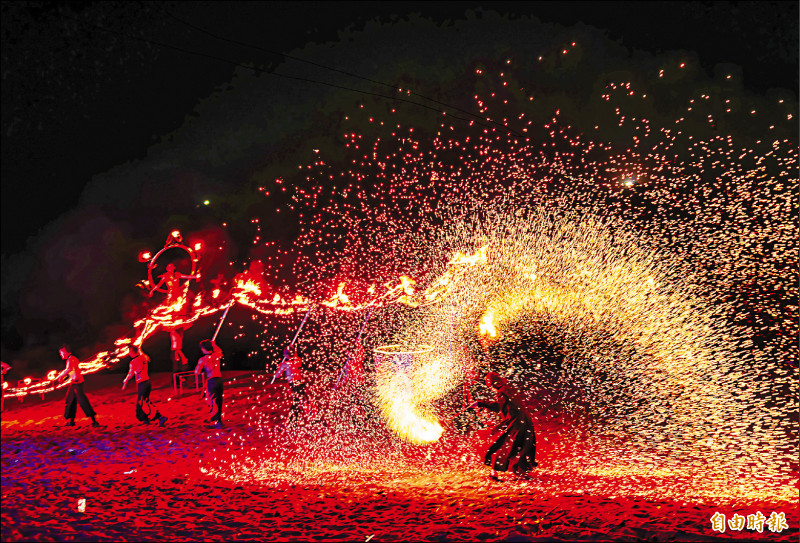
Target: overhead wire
{"type": "Point", "coordinates": [286, 76]}
{"type": "Point", "coordinates": [324, 66]}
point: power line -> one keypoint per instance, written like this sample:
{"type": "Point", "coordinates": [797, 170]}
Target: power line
{"type": "Point", "coordinates": [285, 76]}
{"type": "Point", "coordinates": [323, 66]}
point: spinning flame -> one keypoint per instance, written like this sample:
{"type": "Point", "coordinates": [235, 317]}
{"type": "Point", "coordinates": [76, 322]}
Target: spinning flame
{"type": "Point", "coordinates": [395, 392]}
{"type": "Point", "coordinates": [486, 327]}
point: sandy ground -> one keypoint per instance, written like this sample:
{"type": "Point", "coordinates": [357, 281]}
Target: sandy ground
{"type": "Point", "coordinates": [348, 481]}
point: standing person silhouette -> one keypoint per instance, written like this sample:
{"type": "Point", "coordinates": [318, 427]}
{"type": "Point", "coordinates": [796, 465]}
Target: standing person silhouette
{"type": "Point", "coordinates": [139, 367]}
{"type": "Point", "coordinates": [5, 368]}
{"type": "Point", "coordinates": [210, 364]}
{"type": "Point", "coordinates": [514, 437]}
{"type": "Point", "coordinates": [354, 381]}
{"type": "Point", "coordinates": [291, 366]}
{"type": "Point", "coordinates": [75, 393]}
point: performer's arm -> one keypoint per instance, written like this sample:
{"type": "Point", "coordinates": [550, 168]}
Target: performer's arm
{"type": "Point", "coordinates": [281, 370]}
{"type": "Point", "coordinates": [128, 377]}
{"type": "Point", "coordinates": [491, 406]}
{"type": "Point", "coordinates": [66, 370]}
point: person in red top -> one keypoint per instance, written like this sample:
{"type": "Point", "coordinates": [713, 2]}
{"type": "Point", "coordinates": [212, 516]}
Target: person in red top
{"type": "Point", "coordinates": [140, 363]}
{"type": "Point", "coordinates": [75, 393]}
{"type": "Point", "coordinates": [172, 279]}
{"type": "Point", "coordinates": [210, 364]}
{"type": "Point", "coordinates": [354, 380]}
{"type": "Point", "coordinates": [354, 376]}
{"type": "Point", "coordinates": [514, 445]}
{"type": "Point", "coordinates": [292, 366]}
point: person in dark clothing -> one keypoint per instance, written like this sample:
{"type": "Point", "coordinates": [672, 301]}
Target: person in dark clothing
{"type": "Point", "coordinates": [353, 382]}
{"type": "Point", "coordinates": [139, 367]}
{"type": "Point", "coordinates": [75, 393]}
{"type": "Point", "coordinates": [210, 364]}
{"type": "Point", "coordinates": [514, 438]}
{"type": "Point", "coordinates": [292, 367]}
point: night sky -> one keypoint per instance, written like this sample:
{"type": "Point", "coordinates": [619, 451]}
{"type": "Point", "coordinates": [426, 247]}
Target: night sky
{"type": "Point", "coordinates": [119, 118]}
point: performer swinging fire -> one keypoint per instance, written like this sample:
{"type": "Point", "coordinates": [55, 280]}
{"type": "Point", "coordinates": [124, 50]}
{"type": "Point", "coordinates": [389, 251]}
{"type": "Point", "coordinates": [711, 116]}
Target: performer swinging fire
{"type": "Point", "coordinates": [210, 364]}
{"type": "Point", "coordinates": [514, 445]}
{"type": "Point", "coordinates": [139, 367]}
{"type": "Point", "coordinates": [75, 393]}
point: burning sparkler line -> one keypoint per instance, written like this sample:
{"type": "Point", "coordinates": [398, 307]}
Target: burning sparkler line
{"type": "Point", "coordinates": [221, 320]}
{"type": "Point", "coordinates": [296, 335]}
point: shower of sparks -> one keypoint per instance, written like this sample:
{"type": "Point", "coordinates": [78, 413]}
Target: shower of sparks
{"type": "Point", "coordinates": [647, 284]}
{"type": "Point", "coordinates": [641, 289]}
{"type": "Point", "coordinates": [406, 379]}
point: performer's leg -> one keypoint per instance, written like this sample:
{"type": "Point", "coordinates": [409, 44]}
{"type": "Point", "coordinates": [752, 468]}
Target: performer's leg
{"type": "Point", "coordinates": [70, 405]}
{"type": "Point", "coordinates": [179, 361]}
{"type": "Point", "coordinates": [215, 388]}
{"type": "Point", "coordinates": [302, 397]}
{"type": "Point", "coordinates": [493, 448]}
{"type": "Point", "coordinates": [147, 401]}
{"type": "Point", "coordinates": [529, 451]}
{"type": "Point", "coordinates": [210, 399]}
{"type": "Point", "coordinates": [296, 397]}
{"type": "Point", "coordinates": [184, 361]}
{"type": "Point", "coordinates": [359, 402]}
{"type": "Point", "coordinates": [309, 405]}
{"type": "Point", "coordinates": [141, 398]}
{"type": "Point", "coordinates": [515, 455]}
{"type": "Point", "coordinates": [85, 405]}
{"type": "Point", "coordinates": [218, 399]}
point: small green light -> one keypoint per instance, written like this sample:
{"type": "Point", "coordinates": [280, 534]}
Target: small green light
{"type": "Point", "coordinates": [206, 202]}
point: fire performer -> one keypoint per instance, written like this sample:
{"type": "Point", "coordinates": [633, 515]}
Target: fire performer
{"type": "Point", "coordinates": [292, 366]}
{"type": "Point", "coordinates": [354, 379]}
{"type": "Point", "coordinates": [514, 437]}
{"type": "Point", "coordinates": [139, 366]}
{"type": "Point", "coordinates": [354, 370]}
{"type": "Point", "coordinates": [172, 279]}
{"type": "Point", "coordinates": [75, 393]}
{"type": "Point", "coordinates": [210, 364]}
{"type": "Point", "coordinates": [5, 367]}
